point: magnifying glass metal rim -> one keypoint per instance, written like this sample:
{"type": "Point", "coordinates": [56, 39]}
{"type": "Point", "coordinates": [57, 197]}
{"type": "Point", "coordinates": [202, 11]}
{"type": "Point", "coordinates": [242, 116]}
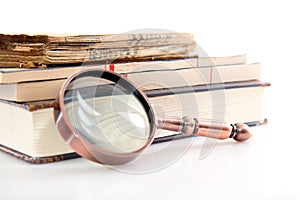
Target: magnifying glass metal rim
{"type": "Point", "coordinates": [79, 143]}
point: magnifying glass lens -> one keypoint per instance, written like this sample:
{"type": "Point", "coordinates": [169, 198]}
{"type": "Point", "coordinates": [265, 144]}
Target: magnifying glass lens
{"type": "Point", "coordinates": [107, 113]}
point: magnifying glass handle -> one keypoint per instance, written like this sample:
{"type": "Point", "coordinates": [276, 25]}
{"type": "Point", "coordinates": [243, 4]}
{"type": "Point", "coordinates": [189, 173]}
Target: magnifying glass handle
{"type": "Point", "coordinates": [199, 127]}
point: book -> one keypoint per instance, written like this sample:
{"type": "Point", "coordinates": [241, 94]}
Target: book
{"type": "Point", "coordinates": [24, 51]}
{"type": "Point", "coordinates": [29, 132]}
{"type": "Point", "coordinates": [148, 79]}
{"type": "Point", "coordinates": [16, 75]}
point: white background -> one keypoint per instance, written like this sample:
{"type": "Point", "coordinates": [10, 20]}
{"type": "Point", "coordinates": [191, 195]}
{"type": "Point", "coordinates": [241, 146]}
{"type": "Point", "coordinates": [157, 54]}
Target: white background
{"type": "Point", "coordinates": [267, 167]}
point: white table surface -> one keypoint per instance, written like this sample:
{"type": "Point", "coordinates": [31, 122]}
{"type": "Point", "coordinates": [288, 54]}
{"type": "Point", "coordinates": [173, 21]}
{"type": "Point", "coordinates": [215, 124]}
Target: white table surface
{"type": "Point", "coordinates": [265, 167]}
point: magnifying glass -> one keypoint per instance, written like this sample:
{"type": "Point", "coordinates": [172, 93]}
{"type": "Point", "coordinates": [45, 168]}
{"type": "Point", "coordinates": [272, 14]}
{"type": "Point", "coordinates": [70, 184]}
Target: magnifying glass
{"type": "Point", "coordinates": [105, 118]}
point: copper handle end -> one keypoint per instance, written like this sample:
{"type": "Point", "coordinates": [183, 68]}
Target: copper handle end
{"type": "Point", "coordinates": [242, 132]}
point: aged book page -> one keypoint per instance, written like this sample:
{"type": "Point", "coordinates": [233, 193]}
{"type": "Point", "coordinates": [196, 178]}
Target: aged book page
{"type": "Point", "coordinates": [42, 50]}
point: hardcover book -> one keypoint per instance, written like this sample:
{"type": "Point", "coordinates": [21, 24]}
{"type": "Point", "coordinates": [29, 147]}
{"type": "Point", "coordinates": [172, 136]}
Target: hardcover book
{"type": "Point", "coordinates": [29, 132]}
{"type": "Point", "coordinates": [146, 75]}
{"type": "Point", "coordinates": [16, 75]}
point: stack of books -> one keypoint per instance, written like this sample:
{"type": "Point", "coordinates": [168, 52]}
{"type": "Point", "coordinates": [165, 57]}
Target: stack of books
{"type": "Point", "coordinates": [177, 82]}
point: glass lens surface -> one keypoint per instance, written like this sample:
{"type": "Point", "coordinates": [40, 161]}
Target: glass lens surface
{"type": "Point", "coordinates": [107, 114]}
